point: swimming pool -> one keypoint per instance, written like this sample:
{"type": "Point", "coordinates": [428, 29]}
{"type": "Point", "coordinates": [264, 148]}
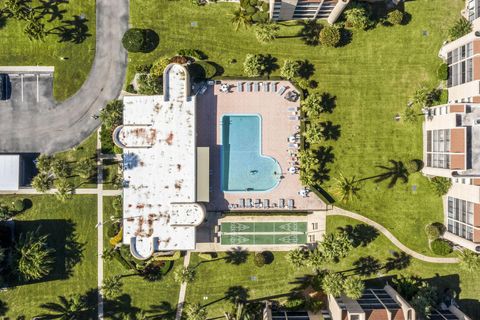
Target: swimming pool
{"type": "Point", "coordinates": [244, 168]}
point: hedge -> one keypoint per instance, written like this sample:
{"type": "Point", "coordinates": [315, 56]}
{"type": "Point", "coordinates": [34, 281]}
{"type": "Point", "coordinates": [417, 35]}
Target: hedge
{"type": "Point", "coordinates": [442, 71]}
{"type": "Point", "coordinates": [441, 247]}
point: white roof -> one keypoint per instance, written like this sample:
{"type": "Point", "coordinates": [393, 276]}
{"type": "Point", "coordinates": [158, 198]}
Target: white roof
{"type": "Point", "coordinates": [160, 213]}
{"type": "Point", "coordinates": [9, 172]}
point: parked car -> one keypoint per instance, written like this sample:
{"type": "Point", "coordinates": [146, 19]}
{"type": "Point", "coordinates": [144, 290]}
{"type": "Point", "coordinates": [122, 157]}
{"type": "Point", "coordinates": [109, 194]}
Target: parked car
{"type": "Point", "coordinates": [4, 85]}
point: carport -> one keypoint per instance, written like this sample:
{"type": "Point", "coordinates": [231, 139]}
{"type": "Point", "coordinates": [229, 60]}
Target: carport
{"type": "Point", "coordinates": [9, 172]}
{"type": "Point", "coordinates": [26, 81]}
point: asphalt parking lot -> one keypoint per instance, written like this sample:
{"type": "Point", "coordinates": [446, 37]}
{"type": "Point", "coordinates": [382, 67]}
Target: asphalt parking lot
{"type": "Point", "coordinates": [29, 90]}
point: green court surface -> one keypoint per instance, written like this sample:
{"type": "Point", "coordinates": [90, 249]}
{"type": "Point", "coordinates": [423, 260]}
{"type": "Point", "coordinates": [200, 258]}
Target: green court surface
{"type": "Point", "coordinates": [252, 239]}
{"type": "Point", "coordinates": [263, 227]}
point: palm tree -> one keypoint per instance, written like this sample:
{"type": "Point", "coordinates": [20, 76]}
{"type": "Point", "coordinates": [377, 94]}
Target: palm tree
{"type": "Point", "coordinates": [34, 257]}
{"type": "Point", "coordinates": [332, 283]}
{"type": "Point", "coordinates": [308, 160]}
{"type": "Point", "coordinates": [310, 32]}
{"type": "Point", "coordinates": [469, 260]}
{"type": "Point", "coordinates": [60, 168]}
{"type": "Point", "coordinates": [112, 114]}
{"type": "Point", "coordinates": [35, 30]}
{"type": "Point", "coordinates": [312, 106]}
{"type": "Point", "coordinates": [112, 287]}
{"type": "Point", "coordinates": [335, 246]}
{"type": "Point", "coordinates": [194, 311]}
{"type": "Point", "coordinates": [240, 312]}
{"type": "Point", "coordinates": [64, 189]}
{"type": "Point", "coordinates": [314, 134]}
{"type": "Point", "coordinates": [185, 275]}
{"type": "Point", "coordinates": [347, 188]}
{"type": "Point", "coordinates": [353, 287]}
{"type": "Point", "coordinates": [240, 19]}
{"type": "Point", "coordinates": [297, 257]}
{"type": "Point", "coordinates": [42, 182]}
{"type": "Point", "coordinates": [410, 115]}
{"type": "Point", "coordinates": [86, 168]}
{"type": "Point", "coordinates": [266, 32]}
{"type": "Point", "coordinates": [72, 307]}
{"type": "Point", "coordinates": [43, 163]}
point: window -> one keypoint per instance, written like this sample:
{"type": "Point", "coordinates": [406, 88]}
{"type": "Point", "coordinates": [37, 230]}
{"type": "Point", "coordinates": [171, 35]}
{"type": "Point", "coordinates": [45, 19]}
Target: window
{"type": "Point", "coordinates": [354, 317]}
{"type": "Point", "coordinates": [460, 217]}
{"type": "Point", "coordinates": [438, 147]}
{"type": "Point", "coordinates": [460, 65]}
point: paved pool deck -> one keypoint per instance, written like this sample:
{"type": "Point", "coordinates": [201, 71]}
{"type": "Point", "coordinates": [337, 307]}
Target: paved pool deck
{"type": "Point", "coordinates": [276, 128]}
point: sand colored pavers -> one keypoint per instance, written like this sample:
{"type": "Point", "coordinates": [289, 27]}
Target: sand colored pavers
{"type": "Point", "coordinates": [277, 127]}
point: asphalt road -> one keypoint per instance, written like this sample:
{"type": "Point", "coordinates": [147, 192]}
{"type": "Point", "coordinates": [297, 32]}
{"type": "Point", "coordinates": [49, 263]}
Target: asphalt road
{"type": "Point", "coordinates": [55, 126]}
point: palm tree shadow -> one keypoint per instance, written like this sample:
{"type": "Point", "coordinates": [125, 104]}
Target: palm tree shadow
{"type": "Point", "coordinates": [236, 256]}
{"type": "Point", "coordinates": [163, 310]}
{"type": "Point", "coordinates": [398, 261]}
{"type": "Point", "coordinates": [330, 131]}
{"type": "Point", "coordinates": [75, 30]}
{"type": "Point", "coordinates": [310, 32]}
{"type": "Point", "coordinates": [397, 171]}
{"type": "Point", "coordinates": [328, 102]}
{"type": "Point", "coordinates": [51, 8]}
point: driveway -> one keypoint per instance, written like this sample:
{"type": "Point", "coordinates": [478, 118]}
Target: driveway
{"type": "Point", "coordinates": [50, 127]}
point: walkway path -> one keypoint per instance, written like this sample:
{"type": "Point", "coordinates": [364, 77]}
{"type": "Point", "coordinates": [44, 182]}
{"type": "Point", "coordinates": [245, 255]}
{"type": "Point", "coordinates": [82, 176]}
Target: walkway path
{"type": "Point", "coordinates": [60, 126]}
{"type": "Point", "coordinates": [183, 290]}
{"type": "Point", "coordinates": [107, 193]}
{"type": "Point", "coordinates": [99, 226]}
{"type": "Point", "coordinates": [341, 212]}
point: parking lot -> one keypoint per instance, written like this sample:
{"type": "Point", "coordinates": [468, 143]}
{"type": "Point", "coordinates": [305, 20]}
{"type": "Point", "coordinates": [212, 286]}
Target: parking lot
{"type": "Point", "coordinates": [28, 90]}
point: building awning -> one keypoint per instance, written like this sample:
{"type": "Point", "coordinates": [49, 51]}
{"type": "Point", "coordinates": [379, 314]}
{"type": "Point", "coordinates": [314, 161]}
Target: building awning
{"type": "Point", "coordinates": [9, 172]}
{"type": "Point", "coordinates": [203, 174]}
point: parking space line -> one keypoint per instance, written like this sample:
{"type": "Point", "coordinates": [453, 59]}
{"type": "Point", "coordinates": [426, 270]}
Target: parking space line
{"type": "Point", "coordinates": [21, 77]}
{"type": "Point", "coordinates": [38, 93]}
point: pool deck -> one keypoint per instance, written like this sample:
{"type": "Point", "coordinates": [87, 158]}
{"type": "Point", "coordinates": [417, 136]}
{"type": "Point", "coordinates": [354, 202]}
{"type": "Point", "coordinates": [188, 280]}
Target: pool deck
{"type": "Point", "coordinates": [276, 128]}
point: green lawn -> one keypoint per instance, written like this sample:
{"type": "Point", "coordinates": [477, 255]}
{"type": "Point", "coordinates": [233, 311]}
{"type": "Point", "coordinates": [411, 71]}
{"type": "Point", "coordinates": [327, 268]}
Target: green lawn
{"type": "Point", "coordinates": [70, 73]}
{"type": "Point", "coordinates": [214, 278]}
{"type": "Point", "coordinates": [139, 294]}
{"type": "Point", "coordinates": [372, 78]}
{"type": "Point", "coordinates": [87, 149]}
{"type": "Point", "coordinates": [58, 220]}
{"type": "Point", "coordinates": [110, 169]}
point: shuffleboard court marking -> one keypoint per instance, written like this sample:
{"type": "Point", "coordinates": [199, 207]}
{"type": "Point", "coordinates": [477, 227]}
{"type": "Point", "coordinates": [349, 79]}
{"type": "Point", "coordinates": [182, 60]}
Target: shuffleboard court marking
{"type": "Point", "coordinates": [288, 226]}
{"type": "Point", "coordinates": [239, 227]}
{"type": "Point", "coordinates": [291, 239]}
{"type": "Point", "coordinates": [239, 239]}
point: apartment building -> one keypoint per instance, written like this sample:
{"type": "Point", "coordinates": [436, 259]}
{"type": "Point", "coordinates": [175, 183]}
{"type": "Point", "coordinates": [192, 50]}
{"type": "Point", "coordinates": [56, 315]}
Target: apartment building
{"type": "Point", "coordinates": [451, 135]}
{"type": "Point", "coordinates": [281, 10]}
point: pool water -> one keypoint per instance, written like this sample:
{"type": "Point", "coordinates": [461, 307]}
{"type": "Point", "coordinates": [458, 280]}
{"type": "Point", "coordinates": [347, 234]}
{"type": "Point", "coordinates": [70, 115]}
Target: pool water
{"type": "Point", "coordinates": [244, 168]}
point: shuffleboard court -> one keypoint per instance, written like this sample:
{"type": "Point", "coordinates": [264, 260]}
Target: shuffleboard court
{"type": "Point", "coordinates": [253, 239]}
{"type": "Point", "coordinates": [263, 227]}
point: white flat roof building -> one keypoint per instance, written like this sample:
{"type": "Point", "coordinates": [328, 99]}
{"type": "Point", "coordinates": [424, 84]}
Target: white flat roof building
{"type": "Point", "coordinates": [9, 172]}
{"type": "Point", "coordinates": [160, 212]}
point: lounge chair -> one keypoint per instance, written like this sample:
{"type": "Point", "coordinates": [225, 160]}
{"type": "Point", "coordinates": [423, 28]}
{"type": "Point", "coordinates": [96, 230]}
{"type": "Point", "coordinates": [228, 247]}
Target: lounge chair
{"type": "Point", "coordinates": [266, 203]}
{"type": "Point", "coordinates": [293, 118]}
{"type": "Point", "coordinates": [274, 86]}
{"type": "Point", "coordinates": [292, 109]}
{"type": "Point", "coordinates": [240, 86]}
{"type": "Point", "coordinates": [249, 87]}
{"type": "Point", "coordinates": [249, 203]}
{"type": "Point", "coordinates": [282, 90]}
{"type": "Point", "coordinates": [267, 87]}
{"type": "Point", "coordinates": [241, 203]}
{"type": "Point", "coordinates": [281, 203]}
{"type": "Point", "coordinates": [293, 145]}
{"type": "Point", "coordinates": [291, 204]}
{"type": "Point", "coordinates": [255, 87]}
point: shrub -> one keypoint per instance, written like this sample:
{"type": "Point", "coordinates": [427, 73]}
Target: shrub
{"type": "Point", "coordinates": [143, 68]}
{"type": "Point", "coordinates": [330, 36]}
{"type": "Point", "coordinates": [4, 212]}
{"type": "Point", "coordinates": [149, 85]}
{"type": "Point", "coordinates": [112, 229]}
{"type": "Point", "coordinates": [441, 247]}
{"type": "Point", "coordinates": [442, 72]}
{"type": "Point", "coordinates": [434, 230]}
{"type": "Point", "coordinates": [265, 6]}
{"type": "Point", "coordinates": [179, 59]}
{"type": "Point", "coordinates": [159, 66]}
{"type": "Point", "coordinates": [202, 70]}
{"type": "Point", "coordinates": [117, 238]}
{"type": "Point", "coordinates": [259, 259]}
{"type": "Point", "coordinates": [294, 304]}
{"type": "Point", "coordinates": [254, 65]}
{"type": "Point", "coordinates": [194, 53]}
{"type": "Point", "coordinates": [413, 166]}
{"type": "Point", "coordinates": [253, 3]}
{"type": "Point", "coordinates": [290, 69]}
{"type": "Point", "coordinates": [357, 18]}
{"type": "Point", "coordinates": [134, 40]}
{"type": "Point", "coordinates": [18, 205]}
{"type": "Point", "coordinates": [440, 185]}
{"type": "Point", "coordinates": [395, 17]}
{"type": "Point", "coordinates": [461, 27]}
{"type": "Point", "coordinates": [130, 89]}
{"type": "Point", "coordinates": [250, 10]}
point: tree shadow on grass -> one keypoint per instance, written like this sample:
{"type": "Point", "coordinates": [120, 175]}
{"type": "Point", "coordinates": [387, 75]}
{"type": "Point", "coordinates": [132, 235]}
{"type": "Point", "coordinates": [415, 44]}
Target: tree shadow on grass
{"type": "Point", "coordinates": [345, 37]}
{"type": "Point", "coordinates": [325, 156]}
{"type": "Point", "coordinates": [161, 311]}
{"type": "Point", "coordinates": [398, 261]}
{"type": "Point", "coordinates": [330, 131]}
{"type": "Point", "coordinates": [328, 102]}
{"type": "Point", "coordinates": [63, 238]}
{"type": "Point", "coordinates": [361, 234]}
{"type": "Point", "coordinates": [50, 8]}
{"type": "Point", "coordinates": [236, 256]}
{"type": "Point", "coordinates": [310, 32]}
{"type": "Point", "coordinates": [74, 30]}
{"type": "Point", "coordinates": [120, 307]}
{"type": "Point", "coordinates": [307, 69]}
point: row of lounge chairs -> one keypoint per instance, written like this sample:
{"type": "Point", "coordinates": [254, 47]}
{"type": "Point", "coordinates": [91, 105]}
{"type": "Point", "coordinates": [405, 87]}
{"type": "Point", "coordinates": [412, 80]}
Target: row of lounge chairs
{"type": "Point", "coordinates": [265, 204]}
{"type": "Point", "coordinates": [258, 86]}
